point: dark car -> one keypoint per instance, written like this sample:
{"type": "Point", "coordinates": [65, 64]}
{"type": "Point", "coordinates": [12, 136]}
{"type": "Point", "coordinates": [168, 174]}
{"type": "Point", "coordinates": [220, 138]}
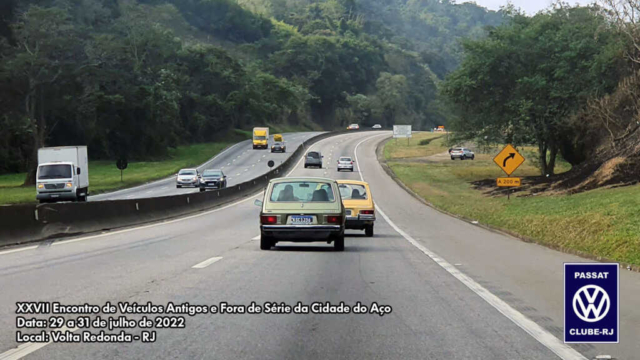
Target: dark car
{"type": "Point", "coordinates": [278, 147]}
{"type": "Point", "coordinates": [313, 158]}
{"type": "Point", "coordinates": [213, 179]}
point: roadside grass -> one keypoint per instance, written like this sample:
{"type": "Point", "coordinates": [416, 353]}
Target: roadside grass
{"type": "Point", "coordinates": [399, 148]}
{"type": "Point", "coordinates": [104, 176]}
{"type": "Point", "coordinates": [602, 222]}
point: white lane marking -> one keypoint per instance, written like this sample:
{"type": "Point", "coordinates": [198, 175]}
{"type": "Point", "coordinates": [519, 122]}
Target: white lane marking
{"type": "Point", "coordinates": [149, 192]}
{"type": "Point", "coordinates": [130, 196]}
{"type": "Point", "coordinates": [252, 165]}
{"type": "Point", "coordinates": [536, 331]}
{"type": "Point", "coordinates": [111, 194]}
{"type": "Point", "coordinates": [27, 348]}
{"type": "Point", "coordinates": [18, 250]}
{"type": "Point", "coordinates": [151, 225]}
{"type": "Point", "coordinates": [207, 262]}
{"type": "Point", "coordinates": [228, 164]}
{"type": "Point", "coordinates": [154, 225]}
{"type": "Point", "coordinates": [238, 174]}
{"type": "Point", "coordinates": [532, 328]}
{"type": "Point", "coordinates": [256, 237]}
{"type": "Point", "coordinates": [247, 169]}
{"type": "Point", "coordinates": [264, 155]}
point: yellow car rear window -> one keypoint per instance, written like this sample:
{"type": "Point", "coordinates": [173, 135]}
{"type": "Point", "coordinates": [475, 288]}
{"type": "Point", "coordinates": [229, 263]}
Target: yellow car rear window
{"type": "Point", "coordinates": [353, 192]}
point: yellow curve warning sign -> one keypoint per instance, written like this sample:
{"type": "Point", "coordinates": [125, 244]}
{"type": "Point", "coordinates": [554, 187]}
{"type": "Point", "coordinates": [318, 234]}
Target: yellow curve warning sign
{"type": "Point", "coordinates": [509, 159]}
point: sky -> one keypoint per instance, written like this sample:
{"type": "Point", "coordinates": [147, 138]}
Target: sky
{"type": "Point", "coordinates": [529, 6]}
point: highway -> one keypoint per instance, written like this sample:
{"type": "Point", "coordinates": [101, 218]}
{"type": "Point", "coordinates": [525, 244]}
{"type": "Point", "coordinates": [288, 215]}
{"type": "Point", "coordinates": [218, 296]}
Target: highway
{"type": "Point", "coordinates": [457, 291]}
{"type": "Point", "coordinates": [240, 162]}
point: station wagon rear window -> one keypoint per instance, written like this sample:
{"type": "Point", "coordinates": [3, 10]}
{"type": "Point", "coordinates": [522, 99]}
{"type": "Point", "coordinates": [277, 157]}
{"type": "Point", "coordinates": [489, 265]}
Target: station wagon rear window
{"type": "Point", "coordinates": [302, 191]}
{"type": "Point", "coordinates": [314, 155]}
{"type": "Point", "coordinates": [353, 192]}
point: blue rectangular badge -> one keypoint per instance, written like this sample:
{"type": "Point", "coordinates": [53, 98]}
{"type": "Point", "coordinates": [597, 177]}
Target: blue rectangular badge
{"type": "Point", "coordinates": [591, 303]}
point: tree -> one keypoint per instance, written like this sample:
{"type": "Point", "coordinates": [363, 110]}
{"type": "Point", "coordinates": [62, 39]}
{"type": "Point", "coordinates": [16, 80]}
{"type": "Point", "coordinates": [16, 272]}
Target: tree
{"type": "Point", "coordinates": [392, 91]}
{"type": "Point", "coordinates": [46, 47]}
{"type": "Point", "coordinates": [529, 76]}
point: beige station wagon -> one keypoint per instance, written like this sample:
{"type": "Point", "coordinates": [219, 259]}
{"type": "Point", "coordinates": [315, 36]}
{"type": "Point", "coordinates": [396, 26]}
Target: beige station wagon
{"type": "Point", "coordinates": [302, 209]}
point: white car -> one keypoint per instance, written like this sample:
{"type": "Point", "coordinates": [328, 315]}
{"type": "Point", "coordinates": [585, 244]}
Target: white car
{"type": "Point", "coordinates": [377, 126]}
{"type": "Point", "coordinates": [187, 177]}
{"type": "Point", "coordinates": [345, 163]}
{"type": "Point", "coordinates": [461, 153]}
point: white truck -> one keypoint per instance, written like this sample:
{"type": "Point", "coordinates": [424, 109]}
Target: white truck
{"type": "Point", "coordinates": [63, 174]}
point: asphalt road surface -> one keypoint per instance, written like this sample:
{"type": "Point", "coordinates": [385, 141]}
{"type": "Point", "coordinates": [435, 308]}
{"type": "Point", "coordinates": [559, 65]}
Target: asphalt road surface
{"type": "Point", "coordinates": [456, 290]}
{"type": "Point", "coordinates": [239, 162]}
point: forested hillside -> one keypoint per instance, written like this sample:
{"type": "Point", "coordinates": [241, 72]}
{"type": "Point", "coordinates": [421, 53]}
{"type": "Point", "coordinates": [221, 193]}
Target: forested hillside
{"type": "Point", "coordinates": [134, 78]}
{"type": "Point", "coordinates": [566, 80]}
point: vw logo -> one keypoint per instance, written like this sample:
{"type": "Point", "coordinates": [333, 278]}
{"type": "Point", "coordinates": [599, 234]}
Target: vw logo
{"type": "Point", "coordinates": [591, 303]}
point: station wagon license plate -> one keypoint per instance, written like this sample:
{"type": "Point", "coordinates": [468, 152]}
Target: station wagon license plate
{"type": "Point", "coordinates": [301, 220]}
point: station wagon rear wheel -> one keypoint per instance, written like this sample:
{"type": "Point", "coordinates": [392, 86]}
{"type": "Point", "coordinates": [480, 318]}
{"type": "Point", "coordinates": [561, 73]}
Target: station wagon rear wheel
{"type": "Point", "coordinates": [266, 242]}
{"type": "Point", "coordinates": [338, 243]}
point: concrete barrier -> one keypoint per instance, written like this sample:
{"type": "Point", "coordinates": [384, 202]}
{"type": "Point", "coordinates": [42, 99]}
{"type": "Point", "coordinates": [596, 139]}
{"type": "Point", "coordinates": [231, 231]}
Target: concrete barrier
{"type": "Point", "coordinates": [33, 222]}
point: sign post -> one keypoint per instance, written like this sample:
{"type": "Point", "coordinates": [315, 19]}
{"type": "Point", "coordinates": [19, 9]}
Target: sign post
{"type": "Point", "coordinates": [122, 164]}
{"type": "Point", "coordinates": [509, 159]}
{"type": "Point", "coordinates": [402, 131]}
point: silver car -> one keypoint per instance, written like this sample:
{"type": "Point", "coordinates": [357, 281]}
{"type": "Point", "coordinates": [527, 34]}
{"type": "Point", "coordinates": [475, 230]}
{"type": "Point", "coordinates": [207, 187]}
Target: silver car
{"type": "Point", "coordinates": [313, 158]}
{"type": "Point", "coordinates": [187, 177]}
{"type": "Point", "coordinates": [345, 163]}
{"type": "Point", "coordinates": [462, 154]}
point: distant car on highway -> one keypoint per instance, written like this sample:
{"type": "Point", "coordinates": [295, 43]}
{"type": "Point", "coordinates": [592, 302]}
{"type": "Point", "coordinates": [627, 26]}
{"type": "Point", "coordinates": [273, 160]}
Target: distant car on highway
{"type": "Point", "coordinates": [353, 127]}
{"type": "Point", "coordinates": [212, 179]}
{"type": "Point", "coordinates": [358, 203]}
{"type": "Point", "coordinates": [302, 209]}
{"type": "Point", "coordinates": [187, 177]}
{"type": "Point", "coordinates": [461, 153]}
{"type": "Point", "coordinates": [313, 158]}
{"type": "Point", "coordinates": [345, 163]}
{"type": "Point", "coordinates": [377, 126]}
{"type": "Point", "coordinates": [278, 147]}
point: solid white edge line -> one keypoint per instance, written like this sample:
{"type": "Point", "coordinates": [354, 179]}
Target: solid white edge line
{"type": "Point", "coordinates": [207, 262]}
{"type": "Point", "coordinates": [29, 347]}
{"type": "Point", "coordinates": [532, 328]}
{"type": "Point", "coordinates": [18, 250]}
{"type": "Point", "coordinates": [256, 237]}
{"type": "Point", "coordinates": [155, 224]}
{"type": "Point", "coordinates": [117, 192]}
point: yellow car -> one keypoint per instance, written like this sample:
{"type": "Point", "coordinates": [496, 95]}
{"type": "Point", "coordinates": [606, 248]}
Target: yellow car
{"type": "Point", "coordinates": [358, 204]}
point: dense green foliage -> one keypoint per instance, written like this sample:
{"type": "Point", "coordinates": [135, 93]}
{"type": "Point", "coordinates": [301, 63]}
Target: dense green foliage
{"type": "Point", "coordinates": [135, 78]}
{"type": "Point", "coordinates": [523, 83]}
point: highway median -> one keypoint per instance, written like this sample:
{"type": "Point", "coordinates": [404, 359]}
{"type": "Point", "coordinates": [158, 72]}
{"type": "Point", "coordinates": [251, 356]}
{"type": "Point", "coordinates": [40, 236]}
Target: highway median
{"type": "Point", "coordinates": [25, 223]}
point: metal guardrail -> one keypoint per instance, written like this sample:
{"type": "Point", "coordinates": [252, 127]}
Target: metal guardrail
{"type": "Point", "coordinates": [32, 222]}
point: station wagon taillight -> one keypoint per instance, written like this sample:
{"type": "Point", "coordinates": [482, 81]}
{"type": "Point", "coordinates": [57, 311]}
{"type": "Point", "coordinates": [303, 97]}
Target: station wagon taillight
{"type": "Point", "coordinates": [366, 212]}
{"type": "Point", "coordinates": [268, 219]}
{"type": "Point", "coordinates": [334, 219]}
